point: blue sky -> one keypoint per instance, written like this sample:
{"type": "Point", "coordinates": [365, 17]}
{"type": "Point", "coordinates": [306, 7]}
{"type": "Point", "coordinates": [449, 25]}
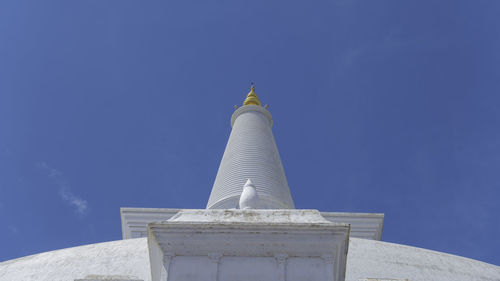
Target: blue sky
{"type": "Point", "coordinates": [379, 106]}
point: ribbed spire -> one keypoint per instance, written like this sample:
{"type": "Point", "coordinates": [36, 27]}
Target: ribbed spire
{"type": "Point", "coordinates": [251, 153]}
{"type": "Point", "coordinates": [252, 97]}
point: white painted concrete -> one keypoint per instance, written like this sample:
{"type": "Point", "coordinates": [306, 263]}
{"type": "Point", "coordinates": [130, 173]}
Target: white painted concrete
{"type": "Point", "coordinates": [249, 217]}
{"type": "Point", "coordinates": [363, 225]}
{"type": "Point", "coordinates": [135, 220]}
{"type": "Point", "coordinates": [375, 260]}
{"type": "Point", "coordinates": [383, 279]}
{"type": "Point", "coordinates": [252, 244]}
{"type": "Point", "coordinates": [366, 260]}
{"type": "Point", "coordinates": [251, 153]}
{"type": "Point", "coordinates": [117, 260]}
{"type": "Point", "coordinates": [249, 199]}
{"type": "Point", "coordinates": [107, 278]}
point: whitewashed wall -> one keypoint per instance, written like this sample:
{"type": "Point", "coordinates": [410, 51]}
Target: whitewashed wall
{"type": "Point", "coordinates": [248, 269]}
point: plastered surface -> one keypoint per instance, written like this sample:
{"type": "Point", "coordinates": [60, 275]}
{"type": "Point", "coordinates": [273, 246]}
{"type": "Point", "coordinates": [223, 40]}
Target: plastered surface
{"type": "Point", "coordinates": [376, 260]}
{"type": "Point", "coordinates": [116, 260]}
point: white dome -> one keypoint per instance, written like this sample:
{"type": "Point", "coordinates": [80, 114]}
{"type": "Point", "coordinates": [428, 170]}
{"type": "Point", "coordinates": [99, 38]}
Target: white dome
{"type": "Point", "coordinates": [129, 260]}
{"type": "Point", "coordinates": [116, 260]}
{"type": "Point", "coordinates": [367, 259]}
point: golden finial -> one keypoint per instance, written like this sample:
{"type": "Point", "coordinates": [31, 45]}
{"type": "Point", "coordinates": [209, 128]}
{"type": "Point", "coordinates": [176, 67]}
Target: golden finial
{"type": "Point", "coordinates": [252, 97]}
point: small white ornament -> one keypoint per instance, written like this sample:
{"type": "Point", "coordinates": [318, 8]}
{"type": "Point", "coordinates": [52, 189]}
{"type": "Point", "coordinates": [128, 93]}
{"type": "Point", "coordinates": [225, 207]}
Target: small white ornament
{"type": "Point", "coordinates": [249, 198]}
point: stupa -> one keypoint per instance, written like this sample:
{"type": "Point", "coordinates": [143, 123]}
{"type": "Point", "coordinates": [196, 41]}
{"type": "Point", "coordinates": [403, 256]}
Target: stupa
{"type": "Point", "coordinates": [249, 230]}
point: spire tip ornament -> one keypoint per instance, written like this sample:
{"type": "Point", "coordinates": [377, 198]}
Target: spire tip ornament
{"type": "Point", "coordinates": [252, 98]}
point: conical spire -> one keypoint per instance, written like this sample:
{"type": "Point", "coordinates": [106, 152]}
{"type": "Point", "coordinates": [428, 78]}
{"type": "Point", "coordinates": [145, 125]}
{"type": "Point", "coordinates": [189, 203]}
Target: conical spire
{"type": "Point", "coordinates": [252, 97]}
{"type": "Point", "coordinates": [251, 153]}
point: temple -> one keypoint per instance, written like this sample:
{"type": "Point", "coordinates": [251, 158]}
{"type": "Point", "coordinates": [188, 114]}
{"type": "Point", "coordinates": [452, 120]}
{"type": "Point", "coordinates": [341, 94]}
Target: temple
{"type": "Point", "coordinates": [249, 230]}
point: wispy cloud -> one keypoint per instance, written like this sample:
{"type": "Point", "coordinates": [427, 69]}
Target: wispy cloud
{"type": "Point", "coordinates": [386, 46]}
{"type": "Point", "coordinates": [13, 229]}
{"type": "Point", "coordinates": [64, 189]}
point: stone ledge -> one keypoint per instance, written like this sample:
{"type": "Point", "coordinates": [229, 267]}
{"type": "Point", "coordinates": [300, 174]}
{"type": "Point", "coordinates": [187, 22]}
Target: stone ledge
{"type": "Point", "coordinates": [363, 225]}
